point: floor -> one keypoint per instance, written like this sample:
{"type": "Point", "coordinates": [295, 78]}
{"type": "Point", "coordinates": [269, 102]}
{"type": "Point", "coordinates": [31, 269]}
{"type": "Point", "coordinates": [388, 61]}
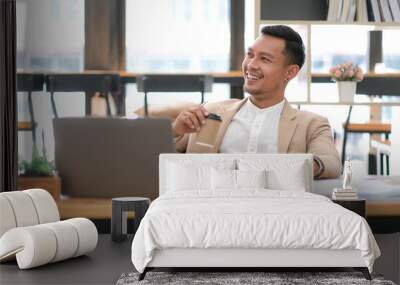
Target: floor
{"type": "Point", "coordinates": [103, 266]}
{"type": "Point", "coordinates": [388, 264]}
{"type": "Point", "coordinates": [111, 259]}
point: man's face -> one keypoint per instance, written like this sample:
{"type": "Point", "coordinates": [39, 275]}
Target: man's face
{"type": "Point", "coordinates": [265, 67]}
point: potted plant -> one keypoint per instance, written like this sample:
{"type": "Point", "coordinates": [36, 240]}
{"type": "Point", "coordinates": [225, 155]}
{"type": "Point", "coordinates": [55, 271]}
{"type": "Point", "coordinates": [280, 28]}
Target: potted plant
{"type": "Point", "coordinates": [39, 173]}
{"type": "Point", "coordinates": [346, 75]}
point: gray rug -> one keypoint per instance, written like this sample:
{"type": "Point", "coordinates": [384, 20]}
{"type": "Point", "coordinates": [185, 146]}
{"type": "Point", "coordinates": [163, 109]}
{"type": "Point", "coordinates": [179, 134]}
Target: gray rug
{"type": "Point", "coordinates": [228, 278]}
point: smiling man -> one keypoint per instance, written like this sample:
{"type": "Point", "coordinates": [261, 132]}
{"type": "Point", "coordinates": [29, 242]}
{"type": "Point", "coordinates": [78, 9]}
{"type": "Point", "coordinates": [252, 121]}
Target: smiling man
{"type": "Point", "coordinates": [264, 122]}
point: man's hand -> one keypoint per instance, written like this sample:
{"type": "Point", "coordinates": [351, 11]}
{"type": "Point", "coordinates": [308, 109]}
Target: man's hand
{"type": "Point", "coordinates": [315, 167]}
{"type": "Point", "coordinates": [318, 167]}
{"type": "Point", "coordinates": [189, 121]}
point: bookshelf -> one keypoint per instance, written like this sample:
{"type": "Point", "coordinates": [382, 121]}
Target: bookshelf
{"type": "Point", "coordinates": [305, 15]}
{"type": "Point", "coordinates": [378, 25]}
{"type": "Point", "coordinates": [316, 12]}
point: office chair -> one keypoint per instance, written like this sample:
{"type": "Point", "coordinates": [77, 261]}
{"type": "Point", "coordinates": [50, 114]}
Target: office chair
{"type": "Point", "coordinates": [79, 83]}
{"type": "Point", "coordinates": [173, 83]}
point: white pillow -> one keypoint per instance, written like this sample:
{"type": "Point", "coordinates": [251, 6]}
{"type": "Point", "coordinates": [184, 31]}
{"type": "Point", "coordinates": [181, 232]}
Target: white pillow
{"type": "Point", "coordinates": [188, 174]}
{"type": "Point", "coordinates": [236, 179]}
{"type": "Point", "coordinates": [188, 177]}
{"type": "Point", "coordinates": [251, 178]}
{"type": "Point", "coordinates": [281, 174]}
{"type": "Point", "coordinates": [293, 180]}
{"type": "Point", "coordinates": [223, 179]}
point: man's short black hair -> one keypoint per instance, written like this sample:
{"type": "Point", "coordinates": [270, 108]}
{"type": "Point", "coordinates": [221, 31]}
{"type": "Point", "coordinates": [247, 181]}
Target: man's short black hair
{"type": "Point", "coordinates": [294, 47]}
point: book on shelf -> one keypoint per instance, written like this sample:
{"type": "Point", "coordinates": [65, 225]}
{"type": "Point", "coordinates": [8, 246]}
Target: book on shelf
{"type": "Point", "coordinates": [352, 11]}
{"type": "Point", "coordinates": [354, 194]}
{"type": "Point", "coordinates": [345, 198]}
{"type": "Point", "coordinates": [344, 194]}
{"type": "Point", "coordinates": [375, 10]}
{"type": "Point", "coordinates": [345, 11]}
{"type": "Point", "coordinates": [335, 9]}
{"type": "Point", "coordinates": [362, 11]}
{"type": "Point", "coordinates": [395, 9]}
{"type": "Point", "coordinates": [338, 10]}
{"type": "Point", "coordinates": [331, 10]}
{"type": "Point", "coordinates": [341, 11]}
{"type": "Point", "coordinates": [370, 13]}
{"type": "Point", "coordinates": [343, 191]}
{"type": "Point", "coordinates": [386, 15]}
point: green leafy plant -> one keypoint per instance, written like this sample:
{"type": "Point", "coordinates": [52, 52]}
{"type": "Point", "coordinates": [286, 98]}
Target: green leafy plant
{"type": "Point", "coordinates": [39, 165]}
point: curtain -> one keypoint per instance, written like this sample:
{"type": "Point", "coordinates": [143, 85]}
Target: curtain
{"type": "Point", "coordinates": [8, 97]}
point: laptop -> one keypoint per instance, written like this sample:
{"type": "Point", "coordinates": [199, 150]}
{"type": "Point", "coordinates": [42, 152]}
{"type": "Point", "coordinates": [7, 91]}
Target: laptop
{"type": "Point", "coordinates": [110, 157]}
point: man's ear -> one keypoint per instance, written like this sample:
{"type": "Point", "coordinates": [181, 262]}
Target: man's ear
{"type": "Point", "coordinates": [292, 71]}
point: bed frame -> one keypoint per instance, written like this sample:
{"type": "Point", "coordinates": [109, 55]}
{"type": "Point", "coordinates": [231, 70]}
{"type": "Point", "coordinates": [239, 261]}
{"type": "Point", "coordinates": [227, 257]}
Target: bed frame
{"type": "Point", "coordinates": [248, 259]}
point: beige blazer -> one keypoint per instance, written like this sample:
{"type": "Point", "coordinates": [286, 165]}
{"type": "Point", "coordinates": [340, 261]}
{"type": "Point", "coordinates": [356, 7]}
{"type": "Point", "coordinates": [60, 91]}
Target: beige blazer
{"type": "Point", "coordinates": [299, 132]}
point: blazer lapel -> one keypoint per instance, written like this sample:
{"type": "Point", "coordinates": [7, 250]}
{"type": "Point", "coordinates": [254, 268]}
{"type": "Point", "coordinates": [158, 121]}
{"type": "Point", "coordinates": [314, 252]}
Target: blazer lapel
{"type": "Point", "coordinates": [287, 126]}
{"type": "Point", "coordinates": [227, 115]}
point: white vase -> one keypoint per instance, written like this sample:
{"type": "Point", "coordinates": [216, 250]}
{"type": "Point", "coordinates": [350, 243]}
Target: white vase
{"type": "Point", "coordinates": [347, 90]}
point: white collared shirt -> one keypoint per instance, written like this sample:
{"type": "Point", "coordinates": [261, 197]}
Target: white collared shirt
{"type": "Point", "coordinates": [253, 130]}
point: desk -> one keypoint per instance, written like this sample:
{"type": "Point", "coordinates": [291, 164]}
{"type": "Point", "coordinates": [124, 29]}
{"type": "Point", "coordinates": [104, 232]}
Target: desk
{"type": "Point", "coordinates": [234, 78]}
{"type": "Point", "coordinates": [120, 78]}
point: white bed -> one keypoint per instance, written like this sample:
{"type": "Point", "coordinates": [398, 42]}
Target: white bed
{"type": "Point", "coordinates": [219, 210]}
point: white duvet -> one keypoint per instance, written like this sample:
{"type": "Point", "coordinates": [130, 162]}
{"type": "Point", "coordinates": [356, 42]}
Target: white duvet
{"type": "Point", "coordinates": [250, 219]}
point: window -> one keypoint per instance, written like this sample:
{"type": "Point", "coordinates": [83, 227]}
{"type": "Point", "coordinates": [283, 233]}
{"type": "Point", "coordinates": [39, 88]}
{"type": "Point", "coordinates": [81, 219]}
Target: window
{"type": "Point", "coordinates": [390, 50]}
{"type": "Point", "coordinates": [50, 35]}
{"type": "Point", "coordinates": [50, 38]}
{"type": "Point", "coordinates": [176, 36]}
{"type": "Point", "coordinates": [332, 45]}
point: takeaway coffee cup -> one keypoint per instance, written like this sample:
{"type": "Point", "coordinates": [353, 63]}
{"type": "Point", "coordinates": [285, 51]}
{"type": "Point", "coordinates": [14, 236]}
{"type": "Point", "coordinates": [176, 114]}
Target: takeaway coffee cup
{"type": "Point", "coordinates": [208, 132]}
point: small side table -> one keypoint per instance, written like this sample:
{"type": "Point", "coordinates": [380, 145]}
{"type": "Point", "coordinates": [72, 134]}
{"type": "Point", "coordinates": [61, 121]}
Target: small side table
{"type": "Point", "coordinates": [120, 208]}
{"type": "Point", "coordinates": [357, 206]}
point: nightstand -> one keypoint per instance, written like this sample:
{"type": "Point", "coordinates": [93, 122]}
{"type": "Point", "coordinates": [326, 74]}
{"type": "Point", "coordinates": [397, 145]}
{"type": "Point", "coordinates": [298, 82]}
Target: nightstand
{"type": "Point", "coordinates": [357, 206]}
{"type": "Point", "coordinates": [120, 208]}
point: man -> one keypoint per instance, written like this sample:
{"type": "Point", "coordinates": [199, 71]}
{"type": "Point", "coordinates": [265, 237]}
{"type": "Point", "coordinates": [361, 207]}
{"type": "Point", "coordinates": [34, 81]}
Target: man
{"type": "Point", "coordinates": [265, 122]}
